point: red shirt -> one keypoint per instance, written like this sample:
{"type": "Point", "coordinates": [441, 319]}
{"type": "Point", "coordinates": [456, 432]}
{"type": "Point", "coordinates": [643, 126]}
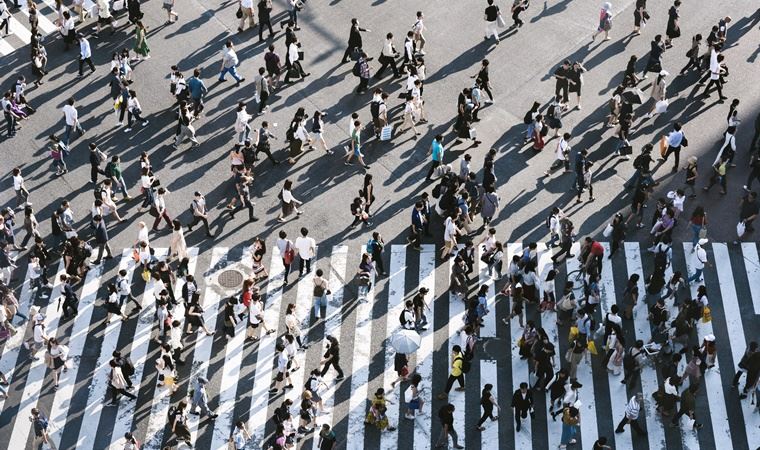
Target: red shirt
{"type": "Point", "coordinates": [247, 298]}
{"type": "Point", "coordinates": [597, 249]}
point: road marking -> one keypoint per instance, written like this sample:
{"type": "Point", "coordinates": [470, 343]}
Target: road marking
{"type": "Point", "coordinates": [423, 421]}
{"type": "Point", "coordinates": [489, 321]}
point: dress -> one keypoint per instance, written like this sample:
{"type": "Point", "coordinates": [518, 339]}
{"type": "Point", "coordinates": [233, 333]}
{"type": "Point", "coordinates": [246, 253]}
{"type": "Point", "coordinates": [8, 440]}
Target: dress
{"type": "Point", "coordinates": [141, 42]}
{"type": "Point", "coordinates": [178, 245]}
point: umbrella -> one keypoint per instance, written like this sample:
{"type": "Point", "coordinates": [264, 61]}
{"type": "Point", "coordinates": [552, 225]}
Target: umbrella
{"type": "Point", "coordinates": [634, 96]}
{"type": "Point", "coordinates": [405, 341]}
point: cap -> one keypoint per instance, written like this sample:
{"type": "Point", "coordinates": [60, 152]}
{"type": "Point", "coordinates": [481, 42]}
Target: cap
{"type": "Point", "coordinates": [703, 241]}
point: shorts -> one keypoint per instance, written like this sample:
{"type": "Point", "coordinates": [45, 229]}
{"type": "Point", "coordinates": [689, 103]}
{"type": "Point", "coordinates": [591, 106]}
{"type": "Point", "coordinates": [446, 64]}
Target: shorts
{"type": "Point", "coordinates": [414, 404]}
{"type": "Point", "coordinates": [105, 20]}
{"type": "Point", "coordinates": [358, 150]}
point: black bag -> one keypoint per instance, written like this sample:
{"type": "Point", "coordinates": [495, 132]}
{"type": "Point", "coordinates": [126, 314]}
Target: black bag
{"type": "Point", "coordinates": [127, 368]}
{"type": "Point", "coordinates": [626, 150]}
{"type": "Point", "coordinates": [466, 365]}
{"type": "Point", "coordinates": [528, 119]}
{"type": "Point", "coordinates": [402, 319]}
{"type": "Point", "coordinates": [356, 71]}
{"type": "Point", "coordinates": [239, 13]}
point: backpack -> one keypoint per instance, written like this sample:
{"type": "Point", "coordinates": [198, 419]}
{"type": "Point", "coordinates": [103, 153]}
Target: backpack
{"type": "Point", "coordinates": [370, 246]}
{"type": "Point", "coordinates": [402, 318]}
{"type": "Point", "coordinates": [357, 70]}
{"type": "Point", "coordinates": [98, 193]}
{"type": "Point", "coordinates": [42, 421]}
{"type": "Point", "coordinates": [374, 109]}
{"type": "Point", "coordinates": [637, 162]}
{"type": "Point", "coordinates": [566, 226]}
{"type": "Point", "coordinates": [126, 367]}
{"type": "Point", "coordinates": [528, 119]}
{"type": "Point", "coordinates": [661, 258]}
{"type": "Point", "coordinates": [466, 364]}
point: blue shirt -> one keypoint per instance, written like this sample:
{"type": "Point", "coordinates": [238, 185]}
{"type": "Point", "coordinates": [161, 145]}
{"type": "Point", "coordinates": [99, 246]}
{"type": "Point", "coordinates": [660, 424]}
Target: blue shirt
{"type": "Point", "coordinates": [437, 151]}
{"type": "Point", "coordinates": [196, 87]}
{"type": "Point", "coordinates": [417, 218]}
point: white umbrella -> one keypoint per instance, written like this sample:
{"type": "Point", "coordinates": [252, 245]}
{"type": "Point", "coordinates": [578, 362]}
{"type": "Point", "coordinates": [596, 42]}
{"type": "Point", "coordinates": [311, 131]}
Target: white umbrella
{"type": "Point", "coordinates": [405, 341]}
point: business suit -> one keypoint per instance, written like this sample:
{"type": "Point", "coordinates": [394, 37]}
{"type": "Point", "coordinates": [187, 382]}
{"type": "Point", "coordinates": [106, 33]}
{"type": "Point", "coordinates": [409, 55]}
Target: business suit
{"type": "Point", "coordinates": [354, 41]}
{"type": "Point", "coordinates": [101, 238]}
{"type": "Point", "coordinates": [70, 300]}
{"type": "Point", "coordinates": [522, 403]}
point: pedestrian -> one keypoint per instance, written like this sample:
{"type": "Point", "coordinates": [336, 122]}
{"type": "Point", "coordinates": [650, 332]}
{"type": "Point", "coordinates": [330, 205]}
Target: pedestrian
{"type": "Point", "coordinates": [587, 174]}
{"type": "Point", "coordinates": [388, 57]}
{"type": "Point", "coordinates": [289, 202]}
{"type": "Point", "coordinates": [320, 292]}
{"type": "Point", "coordinates": [518, 6]}
{"type": "Point", "coordinates": [522, 402]}
{"type": "Point", "coordinates": [264, 9]}
{"type": "Point", "coordinates": [293, 62]}
{"type": "Point", "coordinates": [101, 238]}
{"type": "Point", "coordinates": [185, 128]}
{"type": "Point", "coordinates": [632, 414]}
{"type": "Point", "coordinates": [354, 41]}
{"type": "Point", "coordinates": [306, 247]}
{"type": "Point", "coordinates": [446, 416]}
{"type": "Point", "coordinates": [356, 146]}
{"type": "Point", "coordinates": [570, 421]}
{"type": "Point", "coordinates": [331, 358]}
{"type": "Point", "coordinates": [104, 18]}
{"type": "Point", "coordinates": [361, 69]}
{"type": "Point", "coordinates": [718, 71]}
{"type": "Point", "coordinates": [287, 252]}
{"type": "Point", "coordinates": [640, 17]}
{"type": "Point", "coordinates": [492, 16]}
{"type": "Point", "coordinates": [240, 435]}
{"type": "Point", "coordinates": [377, 414]}
{"type": "Point", "coordinates": [605, 22]}
{"type": "Point", "coordinates": [171, 16]}
{"type": "Point", "coordinates": [134, 109]}
{"type": "Point", "coordinates": [673, 29]}
{"type": "Point", "coordinates": [118, 384]}
{"type": "Point", "coordinates": [417, 29]}
{"type": "Point", "coordinates": [141, 41]}
{"type": "Point", "coordinates": [245, 11]}
{"type": "Point", "coordinates": [41, 425]}
{"type": "Point", "coordinates": [178, 421]}
{"type": "Point", "coordinates": [71, 117]}
{"type": "Point", "coordinates": [633, 361]}
{"type": "Point", "coordinates": [749, 208]}
{"type": "Point", "coordinates": [458, 366]}
{"type": "Point", "coordinates": [159, 211]}
{"type": "Point", "coordinates": [720, 171]}
{"type": "Point", "coordinates": [654, 63]}
{"type": "Point", "coordinates": [327, 438]}
{"type": "Point", "coordinates": [197, 90]}
{"type": "Point", "coordinates": [229, 62]}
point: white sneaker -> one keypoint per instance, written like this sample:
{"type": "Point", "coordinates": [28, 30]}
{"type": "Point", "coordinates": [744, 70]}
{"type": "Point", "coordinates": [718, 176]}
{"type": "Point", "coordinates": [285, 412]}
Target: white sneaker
{"type": "Point", "coordinates": [127, 130]}
{"type": "Point", "coordinates": [409, 416]}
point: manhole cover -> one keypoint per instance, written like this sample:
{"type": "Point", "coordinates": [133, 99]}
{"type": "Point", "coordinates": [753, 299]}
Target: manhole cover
{"type": "Point", "coordinates": [230, 279]}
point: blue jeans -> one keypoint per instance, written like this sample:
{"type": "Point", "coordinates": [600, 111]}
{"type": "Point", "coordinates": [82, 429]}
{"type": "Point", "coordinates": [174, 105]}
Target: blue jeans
{"type": "Point", "coordinates": [568, 433]}
{"type": "Point", "coordinates": [697, 275]}
{"type": "Point", "coordinates": [695, 229]}
{"type": "Point", "coordinates": [529, 131]}
{"type": "Point", "coordinates": [67, 133]}
{"type": "Point", "coordinates": [319, 302]}
{"type": "Point", "coordinates": [244, 134]}
{"type": "Point", "coordinates": [232, 71]}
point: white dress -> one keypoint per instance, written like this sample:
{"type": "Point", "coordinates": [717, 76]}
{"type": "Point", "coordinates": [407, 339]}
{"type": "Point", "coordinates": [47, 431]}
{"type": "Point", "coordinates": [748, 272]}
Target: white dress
{"type": "Point", "coordinates": [178, 245]}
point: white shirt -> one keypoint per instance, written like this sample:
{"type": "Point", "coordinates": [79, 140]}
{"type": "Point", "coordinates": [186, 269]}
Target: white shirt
{"type": "Point", "coordinates": [254, 310]}
{"type": "Point", "coordinates": [84, 49]}
{"type": "Point", "coordinates": [700, 257]}
{"type": "Point", "coordinates": [246, 3]}
{"type": "Point", "coordinates": [282, 362]}
{"type": "Point", "coordinates": [287, 197]}
{"type": "Point", "coordinates": [675, 138]}
{"type": "Point", "coordinates": [142, 235]}
{"type": "Point", "coordinates": [39, 334]}
{"type": "Point", "coordinates": [18, 182]}
{"type": "Point", "coordinates": [71, 115]}
{"type": "Point", "coordinates": [562, 148]}
{"type": "Point", "coordinates": [293, 52]}
{"type": "Point", "coordinates": [714, 65]}
{"type": "Point", "coordinates": [305, 247]}
{"type": "Point", "coordinates": [123, 286]}
{"type": "Point", "coordinates": [418, 26]}
{"type": "Point", "coordinates": [410, 81]}
{"type": "Point", "coordinates": [242, 120]}
{"type": "Point", "coordinates": [409, 48]}
{"type": "Point", "coordinates": [450, 232]}
{"type": "Point", "coordinates": [387, 48]}
{"type": "Point", "coordinates": [239, 439]}
{"type": "Point", "coordinates": [133, 104]}
{"type": "Point", "coordinates": [230, 58]}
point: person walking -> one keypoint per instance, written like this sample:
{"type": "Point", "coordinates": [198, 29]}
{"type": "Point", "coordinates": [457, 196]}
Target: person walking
{"type": "Point", "coordinates": [200, 213]}
{"type": "Point", "coordinates": [200, 400]}
{"type": "Point", "coordinates": [492, 16]}
{"type": "Point", "coordinates": [332, 358]}
{"type": "Point", "coordinates": [457, 372]}
{"type": "Point", "coordinates": [41, 425]}
{"type": "Point", "coordinates": [673, 29]}
{"type": "Point", "coordinates": [687, 407]}
{"type": "Point", "coordinates": [141, 41]}
{"type": "Point", "coordinates": [293, 62]}
{"type": "Point", "coordinates": [85, 55]}
{"type": "Point", "coordinates": [446, 416]}
{"type": "Point", "coordinates": [571, 418]}
{"type": "Point", "coordinates": [197, 90]}
{"type": "Point", "coordinates": [522, 402]}
{"type": "Point", "coordinates": [436, 152]}
{"type": "Point", "coordinates": [354, 40]}
{"type": "Point", "coordinates": [134, 110]}
{"type": "Point", "coordinates": [101, 238]}
{"type": "Point", "coordinates": [306, 247]}
{"type": "Point", "coordinates": [185, 127]}
{"type": "Point", "coordinates": [632, 415]}
{"type": "Point", "coordinates": [71, 117]}
{"type": "Point", "coordinates": [264, 9]}
{"type": "Point", "coordinates": [118, 384]}
{"type": "Point", "coordinates": [356, 146]}
{"type": "Point", "coordinates": [245, 11]}
{"type": "Point", "coordinates": [230, 62]}
{"type": "Point", "coordinates": [675, 140]}
{"type": "Point", "coordinates": [387, 58]}
{"type": "Point", "coordinates": [488, 403]}
{"type": "Point", "coordinates": [605, 22]}
{"type": "Point", "coordinates": [289, 203]}
{"type": "Point", "coordinates": [699, 260]}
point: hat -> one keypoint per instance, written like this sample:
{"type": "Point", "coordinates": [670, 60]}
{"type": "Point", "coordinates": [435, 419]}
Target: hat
{"type": "Point", "coordinates": [664, 73]}
{"type": "Point", "coordinates": [692, 159]}
{"type": "Point", "coordinates": [703, 241]}
{"type": "Point", "coordinates": [710, 338]}
{"type": "Point", "coordinates": [607, 6]}
{"type": "Point", "coordinates": [39, 317]}
{"type": "Point", "coordinates": [202, 380]}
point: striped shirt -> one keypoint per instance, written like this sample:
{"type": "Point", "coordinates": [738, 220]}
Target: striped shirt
{"type": "Point", "coordinates": [632, 410]}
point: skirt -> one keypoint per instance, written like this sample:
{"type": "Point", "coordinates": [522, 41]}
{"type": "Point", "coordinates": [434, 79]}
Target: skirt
{"type": "Point", "coordinates": [113, 308]}
{"type": "Point", "coordinates": [296, 146]}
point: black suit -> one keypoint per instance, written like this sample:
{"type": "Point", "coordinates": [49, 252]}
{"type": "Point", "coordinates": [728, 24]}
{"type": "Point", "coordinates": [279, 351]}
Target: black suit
{"type": "Point", "coordinates": [101, 238]}
{"type": "Point", "coordinates": [354, 41]}
{"type": "Point", "coordinates": [70, 300]}
{"type": "Point", "coordinates": [522, 405]}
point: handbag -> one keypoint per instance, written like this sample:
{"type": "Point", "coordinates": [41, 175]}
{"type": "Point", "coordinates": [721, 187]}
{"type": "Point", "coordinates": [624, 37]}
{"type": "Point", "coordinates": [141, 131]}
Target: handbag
{"type": "Point", "coordinates": [592, 347]}
{"type": "Point", "coordinates": [289, 255]}
{"type": "Point", "coordinates": [569, 355]}
{"type": "Point", "coordinates": [500, 21]}
{"type": "Point", "coordinates": [741, 227]}
{"type": "Point", "coordinates": [661, 106]}
{"type": "Point", "coordinates": [663, 146]}
{"type": "Point", "coordinates": [703, 232]}
{"type": "Point", "coordinates": [239, 13]}
{"type": "Point", "coordinates": [573, 334]}
{"type": "Point", "coordinates": [145, 274]}
{"type": "Point", "coordinates": [706, 314]}
{"type": "Point", "coordinates": [607, 230]}
{"type": "Point", "coordinates": [386, 133]}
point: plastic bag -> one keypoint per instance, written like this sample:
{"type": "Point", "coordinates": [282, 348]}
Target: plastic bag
{"type": "Point", "coordinates": [661, 106]}
{"type": "Point", "coordinates": [741, 227]}
{"type": "Point", "coordinates": [607, 230]}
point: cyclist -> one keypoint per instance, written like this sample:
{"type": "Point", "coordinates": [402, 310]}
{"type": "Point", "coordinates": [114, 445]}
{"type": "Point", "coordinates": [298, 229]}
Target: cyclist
{"type": "Point", "coordinates": [592, 253]}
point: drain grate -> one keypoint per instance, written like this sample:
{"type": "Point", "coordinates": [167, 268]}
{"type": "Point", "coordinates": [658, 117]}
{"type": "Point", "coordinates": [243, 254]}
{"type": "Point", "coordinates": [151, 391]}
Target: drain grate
{"type": "Point", "coordinates": [230, 279]}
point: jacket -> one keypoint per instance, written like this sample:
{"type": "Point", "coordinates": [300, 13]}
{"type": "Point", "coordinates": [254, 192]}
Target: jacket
{"type": "Point", "coordinates": [520, 403]}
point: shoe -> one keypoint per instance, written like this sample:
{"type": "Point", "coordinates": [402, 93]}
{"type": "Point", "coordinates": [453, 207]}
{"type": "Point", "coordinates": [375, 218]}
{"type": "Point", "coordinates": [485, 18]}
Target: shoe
{"type": "Point", "coordinates": [127, 130]}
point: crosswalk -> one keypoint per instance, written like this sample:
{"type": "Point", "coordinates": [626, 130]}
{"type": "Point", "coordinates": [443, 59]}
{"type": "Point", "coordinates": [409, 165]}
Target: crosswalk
{"type": "Point", "coordinates": [240, 373]}
{"type": "Point", "coordinates": [47, 17]}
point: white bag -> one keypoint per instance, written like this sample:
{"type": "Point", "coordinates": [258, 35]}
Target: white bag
{"type": "Point", "coordinates": [118, 5]}
{"type": "Point", "coordinates": [386, 133]}
{"type": "Point", "coordinates": [661, 106]}
{"type": "Point", "coordinates": [607, 230]}
{"type": "Point", "coordinates": [473, 133]}
{"type": "Point", "coordinates": [408, 394]}
{"type": "Point", "coordinates": [501, 22]}
{"type": "Point", "coordinates": [741, 227]}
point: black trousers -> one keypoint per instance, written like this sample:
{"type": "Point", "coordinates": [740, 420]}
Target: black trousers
{"type": "Point", "coordinates": [89, 63]}
{"type": "Point", "coordinates": [717, 84]}
{"type": "Point", "coordinates": [564, 249]}
{"type": "Point", "coordinates": [415, 238]}
{"type": "Point", "coordinates": [70, 304]}
{"type": "Point", "coordinates": [263, 101]}
{"type": "Point", "coordinates": [676, 151]}
{"type": "Point", "coordinates": [516, 17]}
{"type": "Point", "coordinates": [450, 382]}
{"type": "Point", "coordinates": [432, 169]}
{"type": "Point", "coordinates": [487, 414]}
{"type": "Point", "coordinates": [268, 23]}
{"type": "Point", "coordinates": [347, 54]}
{"type": "Point", "coordinates": [335, 364]}
{"type": "Point", "coordinates": [241, 205]}
{"type": "Point", "coordinates": [563, 87]}
{"type": "Point", "coordinates": [386, 61]}
{"type": "Point", "coordinates": [266, 149]}
{"type": "Point", "coordinates": [634, 424]}
{"type": "Point", "coordinates": [301, 263]}
{"type": "Point", "coordinates": [195, 221]}
{"type": "Point", "coordinates": [115, 394]}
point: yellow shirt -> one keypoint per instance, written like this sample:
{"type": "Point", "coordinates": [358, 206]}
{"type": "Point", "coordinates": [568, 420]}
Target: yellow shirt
{"type": "Point", "coordinates": [456, 365]}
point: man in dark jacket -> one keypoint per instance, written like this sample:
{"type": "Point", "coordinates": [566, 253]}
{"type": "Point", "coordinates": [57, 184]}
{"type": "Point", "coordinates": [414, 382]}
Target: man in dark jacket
{"type": "Point", "coordinates": [70, 299]}
{"type": "Point", "coordinates": [101, 238]}
{"type": "Point", "coordinates": [354, 39]}
{"type": "Point", "coordinates": [522, 402]}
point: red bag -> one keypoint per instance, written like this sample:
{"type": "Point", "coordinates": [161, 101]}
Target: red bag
{"type": "Point", "coordinates": [289, 255]}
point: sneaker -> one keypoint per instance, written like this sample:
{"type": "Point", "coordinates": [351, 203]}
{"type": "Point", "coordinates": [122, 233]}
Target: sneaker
{"type": "Point", "coordinates": [127, 130]}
